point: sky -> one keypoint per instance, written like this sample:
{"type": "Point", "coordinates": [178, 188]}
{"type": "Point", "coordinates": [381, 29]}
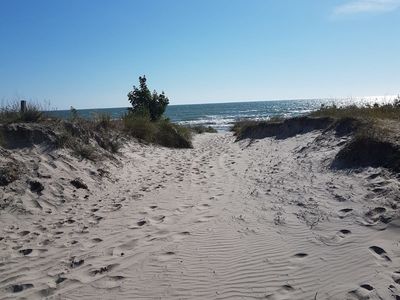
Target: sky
{"type": "Point", "coordinates": [89, 54]}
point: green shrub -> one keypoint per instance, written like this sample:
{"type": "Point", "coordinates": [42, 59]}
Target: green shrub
{"type": "Point", "coordinates": [162, 132]}
{"type": "Point", "coordinates": [140, 127]}
{"type": "Point", "coordinates": [202, 129]}
{"type": "Point", "coordinates": [146, 103]}
{"type": "Point", "coordinates": [172, 135]}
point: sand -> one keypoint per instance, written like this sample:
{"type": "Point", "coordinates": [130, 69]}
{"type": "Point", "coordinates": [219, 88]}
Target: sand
{"type": "Point", "coordinates": [262, 219]}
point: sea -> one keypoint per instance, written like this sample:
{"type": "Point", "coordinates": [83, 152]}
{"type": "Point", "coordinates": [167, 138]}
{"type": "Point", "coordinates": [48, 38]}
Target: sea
{"type": "Point", "coordinates": [221, 116]}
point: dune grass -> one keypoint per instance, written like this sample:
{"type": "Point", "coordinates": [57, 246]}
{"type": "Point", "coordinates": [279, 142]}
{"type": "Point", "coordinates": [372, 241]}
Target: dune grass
{"type": "Point", "coordinates": [199, 129]}
{"type": "Point", "coordinates": [376, 111]}
{"type": "Point", "coordinates": [11, 113]}
{"type": "Point", "coordinates": [243, 125]}
{"type": "Point", "coordinates": [161, 132]}
{"type": "Point", "coordinates": [370, 116]}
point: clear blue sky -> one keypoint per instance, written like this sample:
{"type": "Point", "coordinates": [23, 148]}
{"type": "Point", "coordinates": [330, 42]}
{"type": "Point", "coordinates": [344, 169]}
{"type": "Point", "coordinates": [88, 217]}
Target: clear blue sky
{"type": "Point", "coordinates": [89, 53]}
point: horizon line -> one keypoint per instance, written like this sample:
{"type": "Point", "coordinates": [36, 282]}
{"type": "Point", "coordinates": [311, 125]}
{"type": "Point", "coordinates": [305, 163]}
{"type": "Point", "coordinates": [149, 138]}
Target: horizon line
{"type": "Point", "coordinates": [380, 97]}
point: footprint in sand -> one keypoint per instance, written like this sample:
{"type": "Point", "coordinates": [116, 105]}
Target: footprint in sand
{"type": "Point", "coordinates": [380, 253]}
{"type": "Point", "coordinates": [60, 279]}
{"type": "Point", "coordinates": [344, 212]}
{"type": "Point", "coordinates": [24, 233]}
{"type": "Point", "coordinates": [30, 252]}
{"type": "Point", "coordinates": [157, 219]}
{"type": "Point", "coordinates": [75, 263]}
{"type": "Point", "coordinates": [377, 215]}
{"type": "Point", "coordinates": [141, 222]}
{"type": "Point", "coordinates": [343, 233]}
{"type": "Point", "coordinates": [204, 206]}
{"type": "Point", "coordinates": [17, 288]}
{"type": "Point", "coordinates": [301, 255]}
{"type": "Point", "coordinates": [284, 292]}
{"type": "Point", "coordinates": [365, 291]}
{"type": "Point", "coordinates": [396, 277]}
{"type": "Point", "coordinates": [25, 252]}
{"type": "Point", "coordinates": [116, 206]}
{"type": "Point", "coordinates": [298, 260]}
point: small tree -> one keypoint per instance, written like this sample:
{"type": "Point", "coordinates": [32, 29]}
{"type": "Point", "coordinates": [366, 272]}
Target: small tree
{"type": "Point", "coordinates": [145, 103]}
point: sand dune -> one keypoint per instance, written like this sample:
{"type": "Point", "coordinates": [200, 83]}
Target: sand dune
{"type": "Point", "coordinates": [265, 219]}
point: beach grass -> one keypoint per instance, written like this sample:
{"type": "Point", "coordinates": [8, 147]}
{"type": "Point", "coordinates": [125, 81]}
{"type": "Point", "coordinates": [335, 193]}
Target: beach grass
{"type": "Point", "coordinates": [199, 129]}
{"type": "Point", "coordinates": [376, 111]}
{"type": "Point", "coordinates": [161, 132]}
{"type": "Point", "coordinates": [99, 135]}
{"type": "Point", "coordinates": [11, 113]}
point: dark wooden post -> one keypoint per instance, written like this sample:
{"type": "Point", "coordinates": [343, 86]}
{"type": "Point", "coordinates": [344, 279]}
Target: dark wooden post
{"type": "Point", "coordinates": [23, 106]}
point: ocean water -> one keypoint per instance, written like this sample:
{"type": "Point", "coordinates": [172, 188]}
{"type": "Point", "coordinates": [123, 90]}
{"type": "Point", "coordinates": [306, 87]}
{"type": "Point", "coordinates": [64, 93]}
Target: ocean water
{"type": "Point", "coordinates": [222, 115]}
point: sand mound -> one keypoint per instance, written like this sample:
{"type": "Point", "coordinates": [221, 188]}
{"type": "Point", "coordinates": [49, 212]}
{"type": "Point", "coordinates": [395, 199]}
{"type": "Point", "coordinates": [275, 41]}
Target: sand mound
{"type": "Point", "coordinates": [368, 152]}
{"type": "Point", "coordinates": [284, 129]}
{"type": "Point", "coordinates": [345, 126]}
{"type": "Point", "coordinates": [21, 135]}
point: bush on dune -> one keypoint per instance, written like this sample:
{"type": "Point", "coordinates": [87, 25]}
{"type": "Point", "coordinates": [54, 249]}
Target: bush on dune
{"type": "Point", "coordinates": [145, 120]}
{"type": "Point", "coordinates": [101, 135]}
{"type": "Point", "coordinates": [145, 102]}
{"type": "Point", "coordinates": [161, 132]}
{"type": "Point", "coordinates": [173, 135]}
{"type": "Point", "coordinates": [140, 127]}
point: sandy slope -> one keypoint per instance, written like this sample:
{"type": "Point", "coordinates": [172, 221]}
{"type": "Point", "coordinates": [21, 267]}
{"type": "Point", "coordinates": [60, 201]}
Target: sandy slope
{"type": "Point", "coordinates": [261, 220]}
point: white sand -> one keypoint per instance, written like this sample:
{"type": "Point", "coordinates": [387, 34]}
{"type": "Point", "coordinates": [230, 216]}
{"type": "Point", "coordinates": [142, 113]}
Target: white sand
{"type": "Point", "coordinates": [225, 220]}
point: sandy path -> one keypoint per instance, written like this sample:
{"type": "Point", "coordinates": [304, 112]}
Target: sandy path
{"type": "Point", "coordinates": [225, 220]}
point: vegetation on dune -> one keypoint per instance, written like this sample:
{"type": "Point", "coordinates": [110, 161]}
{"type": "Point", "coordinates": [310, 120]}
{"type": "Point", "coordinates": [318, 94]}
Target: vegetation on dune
{"type": "Point", "coordinates": [11, 113]}
{"type": "Point", "coordinates": [199, 129]}
{"type": "Point", "coordinates": [357, 119]}
{"type": "Point", "coordinates": [145, 103]}
{"type": "Point", "coordinates": [375, 111]}
{"type": "Point", "coordinates": [98, 136]}
{"type": "Point", "coordinates": [244, 125]}
{"type": "Point", "coordinates": [374, 132]}
{"type": "Point", "coordinates": [161, 132]}
{"type": "Point", "coordinates": [145, 119]}
{"type": "Point", "coordinates": [82, 135]}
